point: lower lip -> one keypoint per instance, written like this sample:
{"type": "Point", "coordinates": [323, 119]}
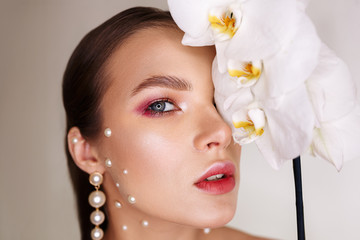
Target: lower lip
{"type": "Point", "coordinates": [217, 187]}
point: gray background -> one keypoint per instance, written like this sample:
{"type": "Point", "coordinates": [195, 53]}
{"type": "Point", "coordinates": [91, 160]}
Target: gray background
{"type": "Point", "coordinates": [36, 199]}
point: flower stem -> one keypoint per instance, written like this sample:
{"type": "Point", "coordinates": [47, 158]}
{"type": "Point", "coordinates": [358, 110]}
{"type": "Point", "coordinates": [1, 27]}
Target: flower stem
{"type": "Point", "coordinates": [299, 199]}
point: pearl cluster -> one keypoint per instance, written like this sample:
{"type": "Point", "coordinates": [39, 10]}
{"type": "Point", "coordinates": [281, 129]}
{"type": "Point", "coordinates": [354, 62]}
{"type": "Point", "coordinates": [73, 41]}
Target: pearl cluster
{"type": "Point", "coordinates": [96, 200]}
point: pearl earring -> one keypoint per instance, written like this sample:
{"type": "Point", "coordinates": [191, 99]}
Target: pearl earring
{"type": "Point", "coordinates": [96, 200]}
{"type": "Point", "coordinates": [74, 140]}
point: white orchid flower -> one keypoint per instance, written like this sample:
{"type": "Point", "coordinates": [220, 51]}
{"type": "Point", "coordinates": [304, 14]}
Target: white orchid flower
{"type": "Point", "coordinates": [294, 62]}
{"type": "Point", "coordinates": [245, 74]}
{"type": "Point", "coordinates": [195, 18]}
{"type": "Point", "coordinates": [331, 88]}
{"type": "Point", "coordinates": [249, 125]}
{"type": "Point", "coordinates": [246, 33]}
{"type": "Point", "coordinates": [255, 24]}
{"type": "Point", "coordinates": [282, 127]}
{"type": "Point", "coordinates": [225, 21]}
{"type": "Point", "coordinates": [333, 96]}
{"type": "Point", "coordinates": [275, 83]}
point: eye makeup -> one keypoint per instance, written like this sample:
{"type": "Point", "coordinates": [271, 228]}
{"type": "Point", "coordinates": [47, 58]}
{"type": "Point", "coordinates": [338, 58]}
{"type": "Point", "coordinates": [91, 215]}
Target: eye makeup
{"type": "Point", "coordinates": [157, 107]}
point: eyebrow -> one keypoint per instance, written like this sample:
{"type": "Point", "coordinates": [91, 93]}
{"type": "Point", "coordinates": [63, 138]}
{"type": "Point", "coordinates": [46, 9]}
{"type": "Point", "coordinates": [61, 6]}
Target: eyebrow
{"type": "Point", "coordinates": [163, 81]}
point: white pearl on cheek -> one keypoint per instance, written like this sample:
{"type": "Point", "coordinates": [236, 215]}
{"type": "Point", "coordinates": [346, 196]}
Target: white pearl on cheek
{"type": "Point", "coordinates": [108, 162]}
{"type": "Point", "coordinates": [207, 230]}
{"type": "Point", "coordinates": [124, 227]}
{"type": "Point", "coordinates": [145, 223]}
{"type": "Point", "coordinates": [131, 199]}
{"type": "Point", "coordinates": [107, 132]}
{"type": "Point", "coordinates": [125, 171]}
{"type": "Point", "coordinates": [117, 185]}
{"type": "Point", "coordinates": [118, 204]}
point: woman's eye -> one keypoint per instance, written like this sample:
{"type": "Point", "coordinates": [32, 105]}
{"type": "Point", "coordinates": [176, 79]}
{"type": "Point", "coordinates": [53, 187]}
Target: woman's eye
{"type": "Point", "coordinates": [160, 107]}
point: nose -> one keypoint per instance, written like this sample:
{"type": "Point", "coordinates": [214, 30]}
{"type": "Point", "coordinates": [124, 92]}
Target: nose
{"type": "Point", "coordinates": [212, 131]}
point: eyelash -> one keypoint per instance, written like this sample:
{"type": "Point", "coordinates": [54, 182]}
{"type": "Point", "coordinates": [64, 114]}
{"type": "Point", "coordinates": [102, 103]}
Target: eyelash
{"type": "Point", "coordinates": [150, 112]}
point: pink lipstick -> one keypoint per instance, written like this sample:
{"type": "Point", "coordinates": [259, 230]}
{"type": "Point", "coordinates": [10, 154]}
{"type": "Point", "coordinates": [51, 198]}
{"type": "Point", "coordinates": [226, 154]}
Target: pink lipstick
{"type": "Point", "coordinates": [218, 179]}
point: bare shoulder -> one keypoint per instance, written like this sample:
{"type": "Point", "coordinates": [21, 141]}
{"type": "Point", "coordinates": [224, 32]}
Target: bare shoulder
{"type": "Point", "coordinates": [232, 234]}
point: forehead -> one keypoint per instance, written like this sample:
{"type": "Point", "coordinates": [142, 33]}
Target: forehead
{"type": "Point", "coordinates": [156, 51]}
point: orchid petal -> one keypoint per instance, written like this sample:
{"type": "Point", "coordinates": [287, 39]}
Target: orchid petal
{"type": "Point", "coordinates": [265, 27]}
{"type": "Point", "coordinates": [229, 99]}
{"type": "Point", "coordinates": [220, 56]}
{"type": "Point", "coordinates": [291, 66]}
{"type": "Point", "coordinates": [222, 81]}
{"type": "Point", "coordinates": [192, 15]}
{"type": "Point", "coordinates": [338, 141]}
{"type": "Point", "coordinates": [271, 155]}
{"type": "Point", "coordinates": [302, 4]}
{"type": "Point", "coordinates": [227, 96]}
{"type": "Point", "coordinates": [204, 40]}
{"type": "Point", "coordinates": [290, 123]}
{"type": "Point", "coordinates": [331, 88]}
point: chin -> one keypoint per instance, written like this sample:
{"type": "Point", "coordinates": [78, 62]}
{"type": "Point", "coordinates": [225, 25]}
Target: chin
{"type": "Point", "coordinates": [216, 216]}
{"type": "Point", "coordinates": [222, 219]}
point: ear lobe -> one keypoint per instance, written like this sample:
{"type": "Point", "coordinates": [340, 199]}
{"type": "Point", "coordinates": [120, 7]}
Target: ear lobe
{"type": "Point", "coordinates": [83, 154]}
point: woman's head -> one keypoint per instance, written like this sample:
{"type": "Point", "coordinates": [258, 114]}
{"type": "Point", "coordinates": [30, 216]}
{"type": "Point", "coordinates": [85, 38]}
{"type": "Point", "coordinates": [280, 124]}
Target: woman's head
{"type": "Point", "coordinates": [133, 75]}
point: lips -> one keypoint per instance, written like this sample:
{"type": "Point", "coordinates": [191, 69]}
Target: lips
{"type": "Point", "coordinates": [219, 179]}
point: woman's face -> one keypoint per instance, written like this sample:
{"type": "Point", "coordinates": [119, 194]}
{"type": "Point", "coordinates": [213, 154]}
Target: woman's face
{"type": "Point", "coordinates": [167, 133]}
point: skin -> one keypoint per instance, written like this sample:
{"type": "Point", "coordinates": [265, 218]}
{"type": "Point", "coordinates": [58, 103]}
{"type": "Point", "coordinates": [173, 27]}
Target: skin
{"type": "Point", "coordinates": [165, 152]}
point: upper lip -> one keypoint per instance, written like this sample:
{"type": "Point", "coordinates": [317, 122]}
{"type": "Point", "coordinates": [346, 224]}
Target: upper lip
{"type": "Point", "coordinates": [223, 167]}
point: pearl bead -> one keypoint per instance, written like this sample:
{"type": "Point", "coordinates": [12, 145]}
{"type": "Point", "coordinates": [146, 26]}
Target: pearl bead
{"type": "Point", "coordinates": [117, 185]}
{"type": "Point", "coordinates": [97, 217]}
{"type": "Point", "coordinates": [125, 171]}
{"type": "Point", "coordinates": [75, 140]}
{"type": "Point", "coordinates": [124, 227]}
{"type": "Point", "coordinates": [131, 199]}
{"type": "Point", "coordinates": [207, 230]}
{"type": "Point", "coordinates": [97, 233]}
{"type": "Point", "coordinates": [96, 179]}
{"type": "Point", "coordinates": [145, 223]}
{"type": "Point", "coordinates": [108, 162]}
{"type": "Point", "coordinates": [97, 199]}
{"type": "Point", "coordinates": [107, 132]}
{"type": "Point", "coordinates": [118, 204]}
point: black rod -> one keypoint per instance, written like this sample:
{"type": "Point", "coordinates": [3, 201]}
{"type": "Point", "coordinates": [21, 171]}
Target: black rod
{"type": "Point", "coordinates": [299, 199]}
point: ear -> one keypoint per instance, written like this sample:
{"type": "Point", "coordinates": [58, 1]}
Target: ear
{"type": "Point", "coordinates": [84, 155]}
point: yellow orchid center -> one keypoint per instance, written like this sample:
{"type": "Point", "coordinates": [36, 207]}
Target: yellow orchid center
{"type": "Point", "coordinates": [246, 72]}
{"type": "Point", "coordinates": [225, 24]}
{"type": "Point", "coordinates": [250, 125]}
{"type": "Point", "coordinates": [249, 128]}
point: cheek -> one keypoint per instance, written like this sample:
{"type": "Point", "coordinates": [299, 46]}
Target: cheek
{"type": "Point", "coordinates": [151, 158]}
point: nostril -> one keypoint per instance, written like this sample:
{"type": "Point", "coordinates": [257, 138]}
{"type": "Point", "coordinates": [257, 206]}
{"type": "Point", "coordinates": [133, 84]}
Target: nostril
{"type": "Point", "coordinates": [213, 144]}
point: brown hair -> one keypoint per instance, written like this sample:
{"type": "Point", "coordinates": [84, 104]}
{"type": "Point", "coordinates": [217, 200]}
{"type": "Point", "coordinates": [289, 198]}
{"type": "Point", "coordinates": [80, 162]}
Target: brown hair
{"type": "Point", "coordinates": [85, 83]}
